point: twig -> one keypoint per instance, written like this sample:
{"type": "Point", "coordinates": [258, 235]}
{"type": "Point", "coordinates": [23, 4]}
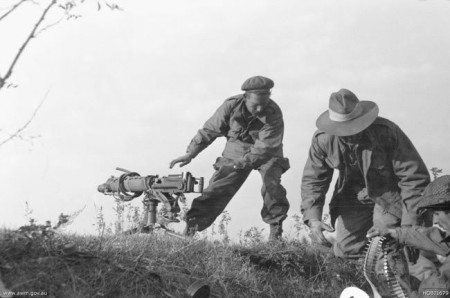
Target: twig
{"type": "Point", "coordinates": [22, 283]}
{"type": "Point", "coordinates": [314, 277]}
{"type": "Point", "coordinates": [320, 271]}
{"type": "Point", "coordinates": [17, 133]}
{"type": "Point", "coordinates": [224, 286]}
{"type": "Point", "coordinates": [277, 252]}
{"type": "Point", "coordinates": [101, 239]}
{"type": "Point", "coordinates": [11, 10]}
{"type": "Point", "coordinates": [168, 294]}
{"type": "Point", "coordinates": [49, 26]}
{"type": "Point", "coordinates": [182, 248]}
{"type": "Point", "coordinates": [2, 286]}
{"type": "Point", "coordinates": [22, 48]}
{"type": "Point", "coordinates": [72, 276]}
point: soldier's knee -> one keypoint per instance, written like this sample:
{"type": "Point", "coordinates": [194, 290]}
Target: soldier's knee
{"type": "Point", "coordinates": [274, 190]}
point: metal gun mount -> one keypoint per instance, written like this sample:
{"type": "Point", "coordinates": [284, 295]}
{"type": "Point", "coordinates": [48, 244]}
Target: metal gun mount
{"type": "Point", "coordinates": [167, 190]}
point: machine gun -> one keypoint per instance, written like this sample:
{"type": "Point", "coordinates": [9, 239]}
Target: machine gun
{"type": "Point", "coordinates": [166, 190]}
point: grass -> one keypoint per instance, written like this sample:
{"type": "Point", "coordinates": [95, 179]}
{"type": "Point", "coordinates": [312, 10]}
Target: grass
{"type": "Point", "coordinates": [155, 265]}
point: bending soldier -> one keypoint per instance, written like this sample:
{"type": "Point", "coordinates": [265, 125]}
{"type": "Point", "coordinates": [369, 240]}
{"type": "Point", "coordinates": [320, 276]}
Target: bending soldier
{"type": "Point", "coordinates": [381, 177]}
{"type": "Point", "coordinates": [253, 126]}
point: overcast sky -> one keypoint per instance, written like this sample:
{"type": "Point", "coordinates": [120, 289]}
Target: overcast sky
{"type": "Point", "coordinates": [131, 88]}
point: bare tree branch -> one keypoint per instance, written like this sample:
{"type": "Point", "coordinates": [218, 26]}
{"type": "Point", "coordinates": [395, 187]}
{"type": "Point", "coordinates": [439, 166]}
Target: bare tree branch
{"type": "Point", "coordinates": [20, 130]}
{"type": "Point", "coordinates": [22, 48]}
{"type": "Point", "coordinates": [49, 26]}
{"type": "Point", "coordinates": [37, 29]}
{"type": "Point", "coordinates": [12, 9]}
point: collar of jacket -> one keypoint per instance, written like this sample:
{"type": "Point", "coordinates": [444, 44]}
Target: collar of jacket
{"type": "Point", "coordinates": [364, 150]}
{"type": "Point", "coordinates": [240, 110]}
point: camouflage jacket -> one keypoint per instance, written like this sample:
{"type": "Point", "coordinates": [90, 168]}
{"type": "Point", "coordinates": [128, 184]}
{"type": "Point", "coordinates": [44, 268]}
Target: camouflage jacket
{"type": "Point", "coordinates": [251, 140]}
{"type": "Point", "coordinates": [394, 173]}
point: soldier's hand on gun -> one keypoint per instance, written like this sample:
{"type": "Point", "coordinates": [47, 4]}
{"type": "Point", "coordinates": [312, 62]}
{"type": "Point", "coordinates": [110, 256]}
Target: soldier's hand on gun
{"type": "Point", "coordinates": [317, 227]}
{"type": "Point", "coordinates": [183, 160]}
{"type": "Point", "coordinates": [381, 231]}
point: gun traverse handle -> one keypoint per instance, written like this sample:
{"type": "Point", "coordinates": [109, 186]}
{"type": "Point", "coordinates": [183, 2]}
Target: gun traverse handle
{"type": "Point", "coordinates": [122, 170]}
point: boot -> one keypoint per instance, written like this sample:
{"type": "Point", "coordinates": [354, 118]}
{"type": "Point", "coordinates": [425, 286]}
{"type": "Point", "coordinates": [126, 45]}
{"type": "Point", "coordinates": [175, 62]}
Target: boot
{"type": "Point", "coordinates": [276, 231]}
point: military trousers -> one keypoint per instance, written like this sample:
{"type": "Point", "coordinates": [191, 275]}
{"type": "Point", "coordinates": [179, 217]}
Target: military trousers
{"type": "Point", "coordinates": [224, 184]}
{"type": "Point", "coordinates": [352, 225]}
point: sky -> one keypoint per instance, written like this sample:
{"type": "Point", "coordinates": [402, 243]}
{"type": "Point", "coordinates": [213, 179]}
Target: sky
{"type": "Point", "coordinates": [131, 88]}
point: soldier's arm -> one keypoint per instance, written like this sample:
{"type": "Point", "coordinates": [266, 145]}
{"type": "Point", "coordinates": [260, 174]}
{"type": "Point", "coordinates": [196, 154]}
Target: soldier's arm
{"type": "Point", "coordinates": [216, 126]}
{"type": "Point", "coordinates": [412, 173]}
{"type": "Point", "coordinates": [316, 181]}
{"type": "Point", "coordinates": [430, 239]}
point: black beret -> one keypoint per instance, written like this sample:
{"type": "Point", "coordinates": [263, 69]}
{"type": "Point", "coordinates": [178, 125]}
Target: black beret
{"type": "Point", "coordinates": [257, 83]}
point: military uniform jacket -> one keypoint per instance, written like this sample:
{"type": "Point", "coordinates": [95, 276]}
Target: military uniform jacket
{"type": "Point", "coordinates": [394, 173]}
{"type": "Point", "coordinates": [433, 240]}
{"type": "Point", "coordinates": [251, 140]}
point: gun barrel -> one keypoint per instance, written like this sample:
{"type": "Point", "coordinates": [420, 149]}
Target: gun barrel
{"type": "Point", "coordinates": [136, 184]}
{"type": "Point", "coordinates": [131, 184]}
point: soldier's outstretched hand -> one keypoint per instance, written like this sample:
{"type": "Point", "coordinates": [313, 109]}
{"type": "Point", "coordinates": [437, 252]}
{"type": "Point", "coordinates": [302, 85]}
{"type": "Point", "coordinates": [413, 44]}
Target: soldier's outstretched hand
{"type": "Point", "coordinates": [183, 160]}
{"type": "Point", "coordinates": [317, 227]}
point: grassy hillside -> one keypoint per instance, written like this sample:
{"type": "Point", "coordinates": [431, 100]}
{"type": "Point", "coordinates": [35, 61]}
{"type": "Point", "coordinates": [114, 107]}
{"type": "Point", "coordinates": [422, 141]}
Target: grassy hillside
{"type": "Point", "coordinates": [36, 259]}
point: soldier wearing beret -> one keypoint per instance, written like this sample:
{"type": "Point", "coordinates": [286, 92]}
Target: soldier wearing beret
{"type": "Point", "coordinates": [253, 125]}
{"type": "Point", "coordinates": [436, 198]}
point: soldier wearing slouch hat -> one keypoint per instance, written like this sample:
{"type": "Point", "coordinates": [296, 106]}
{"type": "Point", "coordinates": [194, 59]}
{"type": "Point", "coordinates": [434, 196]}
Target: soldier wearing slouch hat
{"type": "Point", "coordinates": [380, 183]}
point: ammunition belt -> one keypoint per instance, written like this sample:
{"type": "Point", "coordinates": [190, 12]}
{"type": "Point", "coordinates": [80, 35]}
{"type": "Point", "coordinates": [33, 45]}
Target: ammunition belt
{"type": "Point", "coordinates": [385, 280]}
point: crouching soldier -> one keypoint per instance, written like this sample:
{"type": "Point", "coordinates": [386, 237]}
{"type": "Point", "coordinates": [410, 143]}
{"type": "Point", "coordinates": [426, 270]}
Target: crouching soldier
{"type": "Point", "coordinates": [436, 198]}
{"type": "Point", "coordinates": [381, 174]}
{"type": "Point", "coordinates": [381, 177]}
{"type": "Point", "coordinates": [253, 125]}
